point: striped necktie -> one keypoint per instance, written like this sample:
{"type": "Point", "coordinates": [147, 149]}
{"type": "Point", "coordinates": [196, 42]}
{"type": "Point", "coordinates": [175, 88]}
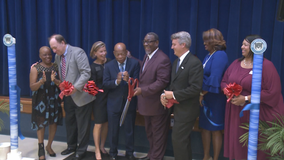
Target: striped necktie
{"type": "Point", "coordinates": [121, 67]}
{"type": "Point", "coordinates": [63, 67]}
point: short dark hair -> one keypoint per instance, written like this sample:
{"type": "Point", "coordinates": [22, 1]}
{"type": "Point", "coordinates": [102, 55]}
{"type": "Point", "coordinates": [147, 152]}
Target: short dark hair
{"type": "Point", "coordinates": [156, 37]}
{"type": "Point", "coordinates": [249, 39]}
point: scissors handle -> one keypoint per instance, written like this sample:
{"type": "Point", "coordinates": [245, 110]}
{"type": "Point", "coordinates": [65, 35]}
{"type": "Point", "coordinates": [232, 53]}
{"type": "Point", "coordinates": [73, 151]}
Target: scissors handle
{"type": "Point", "coordinates": [131, 87]}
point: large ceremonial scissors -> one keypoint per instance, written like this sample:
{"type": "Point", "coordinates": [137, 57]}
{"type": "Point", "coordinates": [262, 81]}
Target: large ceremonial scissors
{"type": "Point", "coordinates": [131, 85]}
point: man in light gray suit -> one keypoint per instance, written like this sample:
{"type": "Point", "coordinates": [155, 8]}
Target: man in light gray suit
{"type": "Point", "coordinates": [74, 67]}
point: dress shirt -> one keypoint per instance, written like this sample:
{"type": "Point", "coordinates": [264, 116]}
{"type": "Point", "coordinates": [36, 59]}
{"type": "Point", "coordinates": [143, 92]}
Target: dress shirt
{"type": "Point", "coordinates": [124, 65]}
{"type": "Point", "coordinates": [181, 58]}
{"type": "Point", "coordinates": [149, 57]}
{"type": "Point", "coordinates": [65, 53]}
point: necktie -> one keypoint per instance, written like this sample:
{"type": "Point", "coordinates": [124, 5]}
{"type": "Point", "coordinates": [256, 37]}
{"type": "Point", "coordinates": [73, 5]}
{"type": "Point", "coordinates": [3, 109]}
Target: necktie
{"type": "Point", "coordinates": [146, 61]}
{"type": "Point", "coordinates": [121, 67]}
{"type": "Point", "coordinates": [63, 67]}
{"type": "Point", "coordinates": [177, 65]}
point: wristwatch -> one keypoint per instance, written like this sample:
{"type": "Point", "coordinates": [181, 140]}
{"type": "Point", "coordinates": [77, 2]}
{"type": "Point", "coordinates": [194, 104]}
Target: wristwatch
{"type": "Point", "coordinates": [246, 99]}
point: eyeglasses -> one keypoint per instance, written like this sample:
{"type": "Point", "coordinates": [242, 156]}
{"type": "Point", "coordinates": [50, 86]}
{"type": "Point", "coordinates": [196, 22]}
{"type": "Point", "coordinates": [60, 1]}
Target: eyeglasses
{"type": "Point", "coordinates": [148, 42]}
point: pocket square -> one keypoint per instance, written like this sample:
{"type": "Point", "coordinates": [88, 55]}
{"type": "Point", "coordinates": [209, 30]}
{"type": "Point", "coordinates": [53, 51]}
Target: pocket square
{"type": "Point", "coordinates": [171, 102]}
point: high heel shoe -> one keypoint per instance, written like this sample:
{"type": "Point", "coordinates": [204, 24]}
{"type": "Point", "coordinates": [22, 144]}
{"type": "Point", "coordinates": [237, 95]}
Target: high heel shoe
{"type": "Point", "coordinates": [50, 154]}
{"type": "Point", "coordinates": [41, 151]}
{"type": "Point", "coordinates": [104, 154]}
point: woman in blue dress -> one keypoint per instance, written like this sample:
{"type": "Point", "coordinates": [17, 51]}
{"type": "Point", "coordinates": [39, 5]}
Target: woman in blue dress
{"type": "Point", "coordinates": [212, 99]}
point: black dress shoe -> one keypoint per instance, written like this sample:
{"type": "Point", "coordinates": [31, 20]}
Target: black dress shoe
{"type": "Point", "coordinates": [145, 158]}
{"type": "Point", "coordinates": [78, 157]}
{"type": "Point", "coordinates": [67, 151]}
{"type": "Point", "coordinates": [130, 157]}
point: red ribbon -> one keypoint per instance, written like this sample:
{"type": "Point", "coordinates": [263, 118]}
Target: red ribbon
{"type": "Point", "coordinates": [131, 88]}
{"type": "Point", "coordinates": [92, 88]}
{"type": "Point", "coordinates": [171, 103]}
{"type": "Point", "coordinates": [66, 89]}
{"type": "Point", "coordinates": [232, 90]}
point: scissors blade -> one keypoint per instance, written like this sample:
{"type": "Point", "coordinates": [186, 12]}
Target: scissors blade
{"type": "Point", "coordinates": [123, 115]}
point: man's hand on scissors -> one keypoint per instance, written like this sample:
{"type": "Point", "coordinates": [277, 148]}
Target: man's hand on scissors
{"type": "Point", "coordinates": [119, 78]}
{"type": "Point", "coordinates": [125, 76]}
{"type": "Point", "coordinates": [137, 91]}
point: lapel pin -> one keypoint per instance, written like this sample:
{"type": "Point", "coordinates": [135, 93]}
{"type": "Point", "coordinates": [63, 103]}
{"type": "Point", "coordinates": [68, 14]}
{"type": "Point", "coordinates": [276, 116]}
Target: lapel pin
{"type": "Point", "coordinates": [182, 67]}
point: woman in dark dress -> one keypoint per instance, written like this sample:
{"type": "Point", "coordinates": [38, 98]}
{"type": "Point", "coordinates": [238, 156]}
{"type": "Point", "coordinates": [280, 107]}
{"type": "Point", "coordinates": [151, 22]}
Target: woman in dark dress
{"type": "Point", "coordinates": [271, 100]}
{"type": "Point", "coordinates": [98, 52]}
{"type": "Point", "coordinates": [46, 104]}
{"type": "Point", "coordinates": [212, 98]}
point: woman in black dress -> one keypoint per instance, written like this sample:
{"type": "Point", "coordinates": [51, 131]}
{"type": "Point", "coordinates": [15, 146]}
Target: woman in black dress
{"type": "Point", "coordinates": [46, 104]}
{"type": "Point", "coordinates": [98, 52]}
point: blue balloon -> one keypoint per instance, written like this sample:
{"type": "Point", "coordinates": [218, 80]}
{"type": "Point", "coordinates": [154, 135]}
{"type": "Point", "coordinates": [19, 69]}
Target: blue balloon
{"type": "Point", "coordinates": [258, 46]}
{"type": "Point", "coordinates": [14, 93]}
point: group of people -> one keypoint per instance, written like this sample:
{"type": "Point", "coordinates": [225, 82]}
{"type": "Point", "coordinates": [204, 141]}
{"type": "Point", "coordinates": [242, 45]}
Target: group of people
{"type": "Point", "coordinates": [196, 87]}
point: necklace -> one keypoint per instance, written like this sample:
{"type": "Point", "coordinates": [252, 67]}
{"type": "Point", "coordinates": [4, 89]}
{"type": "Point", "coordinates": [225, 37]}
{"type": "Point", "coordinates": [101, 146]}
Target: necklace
{"type": "Point", "coordinates": [247, 64]}
{"type": "Point", "coordinates": [208, 59]}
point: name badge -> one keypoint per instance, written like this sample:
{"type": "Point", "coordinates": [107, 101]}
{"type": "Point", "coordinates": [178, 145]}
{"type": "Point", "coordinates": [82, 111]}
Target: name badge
{"type": "Point", "coordinates": [98, 68]}
{"type": "Point", "coordinates": [250, 72]}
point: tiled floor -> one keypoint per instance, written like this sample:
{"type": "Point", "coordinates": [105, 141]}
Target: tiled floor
{"type": "Point", "coordinates": [29, 149]}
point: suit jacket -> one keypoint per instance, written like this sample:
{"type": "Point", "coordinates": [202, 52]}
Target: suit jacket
{"type": "Point", "coordinates": [152, 81]}
{"type": "Point", "coordinates": [186, 85]}
{"type": "Point", "coordinates": [78, 72]}
{"type": "Point", "coordinates": [117, 95]}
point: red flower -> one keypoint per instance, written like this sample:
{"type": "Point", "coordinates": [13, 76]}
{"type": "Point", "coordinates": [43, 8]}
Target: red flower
{"type": "Point", "coordinates": [232, 90]}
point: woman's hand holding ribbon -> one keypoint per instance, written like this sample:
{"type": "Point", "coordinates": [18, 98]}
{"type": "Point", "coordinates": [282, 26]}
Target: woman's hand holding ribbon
{"type": "Point", "coordinates": [238, 100]}
{"type": "Point", "coordinates": [92, 88]}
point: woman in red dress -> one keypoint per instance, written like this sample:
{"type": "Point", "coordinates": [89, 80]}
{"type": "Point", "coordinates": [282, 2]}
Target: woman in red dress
{"type": "Point", "coordinates": [240, 72]}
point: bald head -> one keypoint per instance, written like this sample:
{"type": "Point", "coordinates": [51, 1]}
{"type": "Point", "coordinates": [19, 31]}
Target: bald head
{"type": "Point", "coordinates": [120, 52]}
{"type": "Point", "coordinates": [43, 50]}
{"type": "Point", "coordinates": [45, 55]}
{"type": "Point", "coordinates": [120, 46]}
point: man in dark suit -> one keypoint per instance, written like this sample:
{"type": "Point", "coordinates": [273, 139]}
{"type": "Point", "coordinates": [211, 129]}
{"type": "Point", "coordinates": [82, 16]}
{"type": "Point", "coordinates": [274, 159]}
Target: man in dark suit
{"type": "Point", "coordinates": [73, 66]}
{"type": "Point", "coordinates": [116, 75]}
{"type": "Point", "coordinates": [185, 87]}
{"type": "Point", "coordinates": [154, 76]}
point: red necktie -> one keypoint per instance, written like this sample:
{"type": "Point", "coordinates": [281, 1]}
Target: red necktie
{"type": "Point", "coordinates": [63, 67]}
{"type": "Point", "coordinates": [146, 61]}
